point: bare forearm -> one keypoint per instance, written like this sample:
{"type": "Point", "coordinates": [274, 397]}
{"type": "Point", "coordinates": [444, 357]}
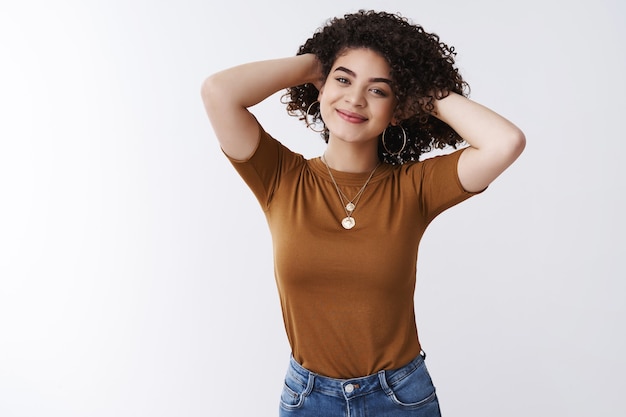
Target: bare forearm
{"type": "Point", "coordinates": [495, 143]}
{"type": "Point", "coordinates": [228, 94]}
{"type": "Point", "coordinates": [478, 125]}
{"type": "Point", "coordinates": [248, 84]}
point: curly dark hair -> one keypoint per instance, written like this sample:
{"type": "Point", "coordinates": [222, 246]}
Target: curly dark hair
{"type": "Point", "coordinates": [422, 70]}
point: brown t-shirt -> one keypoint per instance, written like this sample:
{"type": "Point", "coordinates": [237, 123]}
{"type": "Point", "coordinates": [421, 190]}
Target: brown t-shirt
{"type": "Point", "coordinates": [347, 295]}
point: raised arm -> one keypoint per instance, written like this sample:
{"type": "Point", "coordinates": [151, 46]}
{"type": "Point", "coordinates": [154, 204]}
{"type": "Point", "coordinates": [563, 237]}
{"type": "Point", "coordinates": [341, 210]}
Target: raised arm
{"type": "Point", "coordinates": [495, 143]}
{"type": "Point", "coordinates": [228, 94]}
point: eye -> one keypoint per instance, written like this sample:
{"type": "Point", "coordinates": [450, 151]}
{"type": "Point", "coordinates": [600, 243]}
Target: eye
{"type": "Point", "coordinates": [379, 92]}
{"type": "Point", "coordinates": [342, 80]}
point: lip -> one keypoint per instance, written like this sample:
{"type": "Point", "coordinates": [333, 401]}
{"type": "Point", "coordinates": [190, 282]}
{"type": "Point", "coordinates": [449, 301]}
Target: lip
{"type": "Point", "coordinates": [351, 116]}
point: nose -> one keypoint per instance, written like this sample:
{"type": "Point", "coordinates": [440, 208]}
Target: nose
{"type": "Point", "coordinates": [355, 97]}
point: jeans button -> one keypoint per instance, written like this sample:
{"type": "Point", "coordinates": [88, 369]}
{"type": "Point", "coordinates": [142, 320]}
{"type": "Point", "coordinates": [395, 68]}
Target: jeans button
{"type": "Point", "coordinates": [349, 388]}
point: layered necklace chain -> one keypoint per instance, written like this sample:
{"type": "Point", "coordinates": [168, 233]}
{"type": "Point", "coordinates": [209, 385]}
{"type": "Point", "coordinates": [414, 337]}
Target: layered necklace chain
{"type": "Point", "coordinates": [349, 205]}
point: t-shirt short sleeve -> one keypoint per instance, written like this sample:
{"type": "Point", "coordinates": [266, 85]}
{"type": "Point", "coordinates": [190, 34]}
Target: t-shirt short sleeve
{"type": "Point", "coordinates": [439, 186]}
{"type": "Point", "coordinates": [263, 170]}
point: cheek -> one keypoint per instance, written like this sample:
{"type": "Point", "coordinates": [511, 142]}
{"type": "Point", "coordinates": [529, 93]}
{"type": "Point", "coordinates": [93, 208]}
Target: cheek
{"type": "Point", "coordinates": [387, 112]}
{"type": "Point", "coordinates": [324, 109]}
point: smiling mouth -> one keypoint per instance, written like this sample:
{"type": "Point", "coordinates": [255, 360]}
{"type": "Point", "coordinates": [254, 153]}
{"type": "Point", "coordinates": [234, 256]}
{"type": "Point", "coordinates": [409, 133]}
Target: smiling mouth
{"type": "Point", "coordinates": [351, 117]}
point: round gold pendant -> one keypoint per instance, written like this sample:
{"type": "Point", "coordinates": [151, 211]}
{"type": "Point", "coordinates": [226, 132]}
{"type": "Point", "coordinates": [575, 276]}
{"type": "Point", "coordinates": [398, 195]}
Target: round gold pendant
{"type": "Point", "coordinates": [348, 222]}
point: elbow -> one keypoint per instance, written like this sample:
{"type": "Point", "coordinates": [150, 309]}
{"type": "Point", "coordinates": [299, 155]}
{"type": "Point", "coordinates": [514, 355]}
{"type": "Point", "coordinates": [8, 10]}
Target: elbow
{"type": "Point", "coordinates": [511, 145]}
{"type": "Point", "coordinates": [208, 91]}
{"type": "Point", "coordinates": [517, 143]}
{"type": "Point", "coordinates": [215, 93]}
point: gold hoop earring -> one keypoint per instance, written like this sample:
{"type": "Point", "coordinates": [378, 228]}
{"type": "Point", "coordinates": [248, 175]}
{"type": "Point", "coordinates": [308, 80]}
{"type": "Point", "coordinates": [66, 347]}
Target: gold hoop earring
{"type": "Point", "coordinates": [310, 124]}
{"type": "Point", "coordinates": [403, 141]}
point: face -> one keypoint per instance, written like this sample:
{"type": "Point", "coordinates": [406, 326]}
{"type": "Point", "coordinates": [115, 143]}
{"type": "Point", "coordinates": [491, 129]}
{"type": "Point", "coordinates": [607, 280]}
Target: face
{"type": "Point", "coordinates": [357, 102]}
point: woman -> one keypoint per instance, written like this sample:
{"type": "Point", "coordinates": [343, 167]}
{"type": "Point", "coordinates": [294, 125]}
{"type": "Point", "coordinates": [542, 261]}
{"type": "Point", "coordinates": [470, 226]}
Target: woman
{"type": "Point", "coordinates": [346, 226]}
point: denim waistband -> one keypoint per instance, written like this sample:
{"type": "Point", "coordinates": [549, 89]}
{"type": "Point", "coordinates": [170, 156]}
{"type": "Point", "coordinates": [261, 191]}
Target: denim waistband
{"type": "Point", "coordinates": [352, 387]}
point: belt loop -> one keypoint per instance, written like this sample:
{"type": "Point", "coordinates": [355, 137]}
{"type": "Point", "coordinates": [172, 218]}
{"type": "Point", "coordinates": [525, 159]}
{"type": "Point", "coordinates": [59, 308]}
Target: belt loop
{"type": "Point", "coordinates": [382, 378]}
{"type": "Point", "coordinates": [423, 354]}
{"type": "Point", "coordinates": [310, 384]}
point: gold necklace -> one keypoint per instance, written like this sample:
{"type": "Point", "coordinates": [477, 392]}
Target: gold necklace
{"type": "Point", "coordinates": [348, 222]}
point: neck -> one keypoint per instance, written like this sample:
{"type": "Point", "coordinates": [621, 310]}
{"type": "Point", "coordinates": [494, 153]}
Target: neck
{"type": "Point", "coordinates": [352, 158]}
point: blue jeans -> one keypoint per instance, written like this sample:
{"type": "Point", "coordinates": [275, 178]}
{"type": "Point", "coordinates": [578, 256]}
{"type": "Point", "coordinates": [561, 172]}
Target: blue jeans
{"type": "Point", "coordinates": [407, 391]}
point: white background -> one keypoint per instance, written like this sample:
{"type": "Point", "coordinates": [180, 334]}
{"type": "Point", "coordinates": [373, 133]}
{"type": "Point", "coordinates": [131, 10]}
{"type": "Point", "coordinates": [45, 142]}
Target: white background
{"type": "Point", "coordinates": [135, 265]}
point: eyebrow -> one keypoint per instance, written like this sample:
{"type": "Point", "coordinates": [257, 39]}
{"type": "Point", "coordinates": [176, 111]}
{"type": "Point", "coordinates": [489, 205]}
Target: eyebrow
{"type": "Point", "coordinates": [374, 80]}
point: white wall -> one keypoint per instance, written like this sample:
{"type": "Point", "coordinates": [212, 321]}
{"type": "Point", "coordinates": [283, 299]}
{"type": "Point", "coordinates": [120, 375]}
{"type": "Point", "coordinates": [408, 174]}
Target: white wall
{"type": "Point", "coordinates": [135, 266]}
